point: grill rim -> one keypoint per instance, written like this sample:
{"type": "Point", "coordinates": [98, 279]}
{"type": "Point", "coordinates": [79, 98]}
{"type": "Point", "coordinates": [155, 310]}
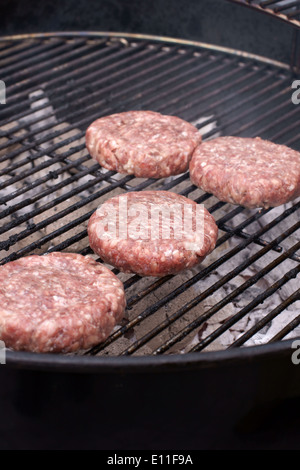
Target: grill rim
{"type": "Point", "coordinates": [267, 10]}
{"type": "Point", "coordinates": [146, 37]}
{"type": "Point", "coordinates": [151, 363]}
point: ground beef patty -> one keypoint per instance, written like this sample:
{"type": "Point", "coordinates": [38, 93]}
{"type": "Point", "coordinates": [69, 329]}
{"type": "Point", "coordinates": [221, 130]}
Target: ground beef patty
{"type": "Point", "coordinates": [245, 171]}
{"type": "Point", "coordinates": [143, 143]}
{"type": "Point", "coordinates": [152, 233]}
{"type": "Point", "coordinates": [60, 302]}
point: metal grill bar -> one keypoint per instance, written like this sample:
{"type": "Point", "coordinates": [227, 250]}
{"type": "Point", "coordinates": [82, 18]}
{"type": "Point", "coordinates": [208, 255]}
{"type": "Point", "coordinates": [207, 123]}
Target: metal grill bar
{"type": "Point", "coordinates": [10, 210]}
{"type": "Point", "coordinates": [294, 140]}
{"type": "Point", "coordinates": [105, 90]}
{"type": "Point", "coordinates": [210, 291]}
{"type": "Point", "coordinates": [252, 331]}
{"type": "Point", "coordinates": [242, 129]}
{"type": "Point", "coordinates": [39, 141]}
{"type": "Point", "coordinates": [287, 11]}
{"type": "Point", "coordinates": [275, 3]}
{"type": "Point", "coordinates": [72, 94]}
{"type": "Point", "coordinates": [260, 242]}
{"type": "Point", "coordinates": [280, 8]}
{"type": "Point", "coordinates": [286, 330]}
{"type": "Point", "coordinates": [224, 88]}
{"type": "Point", "coordinates": [44, 128]}
{"type": "Point", "coordinates": [36, 59]}
{"type": "Point", "coordinates": [287, 277]}
{"type": "Point", "coordinates": [112, 54]}
{"type": "Point", "coordinates": [51, 149]}
{"type": "Point", "coordinates": [28, 148]}
{"type": "Point", "coordinates": [42, 140]}
{"type": "Point", "coordinates": [231, 110]}
{"type": "Point", "coordinates": [15, 52]}
{"type": "Point", "coordinates": [294, 14]}
{"type": "Point", "coordinates": [86, 61]}
{"type": "Point", "coordinates": [25, 233]}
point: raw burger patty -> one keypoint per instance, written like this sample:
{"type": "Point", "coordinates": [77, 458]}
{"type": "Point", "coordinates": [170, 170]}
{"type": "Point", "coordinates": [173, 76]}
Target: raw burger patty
{"type": "Point", "coordinates": [60, 302]}
{"type": "Point", "coordinates": [143, 143]}
{"type": "Point", "coordinates": [144, 250]}
{"type": "Point", "coordinates": [245, 171]}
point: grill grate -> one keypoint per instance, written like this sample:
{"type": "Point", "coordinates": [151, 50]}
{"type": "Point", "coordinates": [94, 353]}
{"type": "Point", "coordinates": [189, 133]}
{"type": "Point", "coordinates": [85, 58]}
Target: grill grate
{"type": "Point", "coordinates": [247, 292]}
{"type": "Point", "coordinates": [286, 10]}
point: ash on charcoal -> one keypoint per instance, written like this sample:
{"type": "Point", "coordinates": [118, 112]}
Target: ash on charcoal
{"type": "Point", "coordinates": [247, 296]}
{"type": "Point", "coordinates": [18, 196]}
{"type": "Point", "coordinates": [207, 128]}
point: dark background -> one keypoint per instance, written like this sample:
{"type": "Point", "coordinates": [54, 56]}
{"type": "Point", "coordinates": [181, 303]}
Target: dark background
{"type": "Point", "coordinates": [213, 21]}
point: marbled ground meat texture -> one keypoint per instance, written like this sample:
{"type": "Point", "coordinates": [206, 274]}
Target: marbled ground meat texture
{"type": "Point", "coordinates": [61, 302]}
{"type": "Point", "coordinates": [245, 171]}
{"type": "Point", "coordinates": [143, 143]}
{"type": "Point", "coordinates": [156, 246]}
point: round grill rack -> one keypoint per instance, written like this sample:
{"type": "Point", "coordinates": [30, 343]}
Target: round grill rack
{"type": "Point", "coordinates": [56, 85]}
